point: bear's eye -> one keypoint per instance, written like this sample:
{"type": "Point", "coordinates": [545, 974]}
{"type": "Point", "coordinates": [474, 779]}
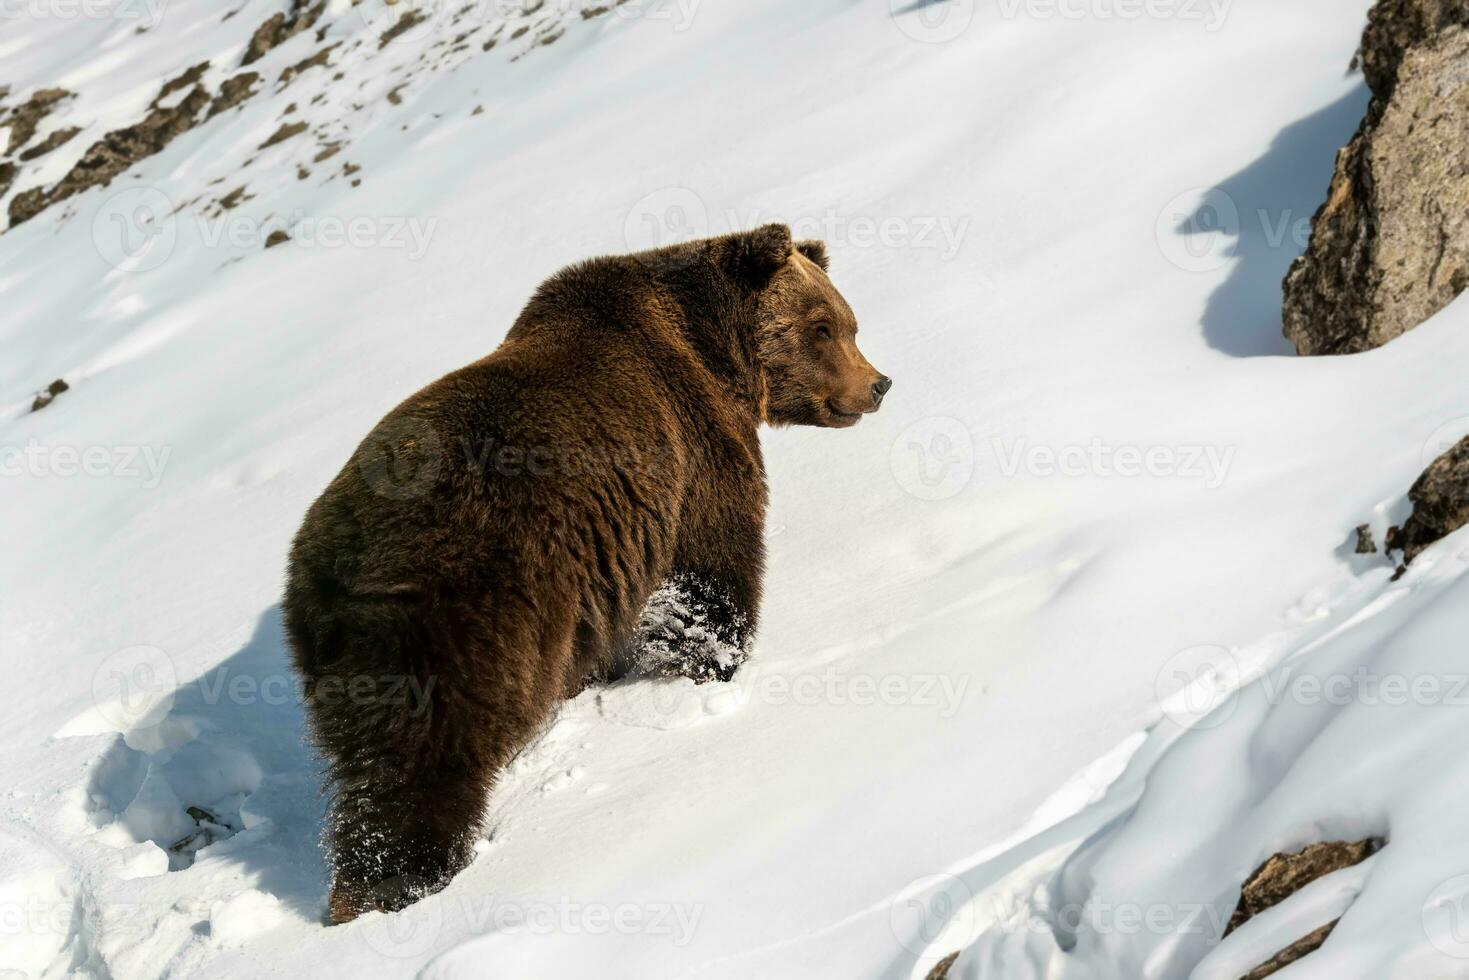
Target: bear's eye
{"type": "Point", "coordinates": [823, 331]}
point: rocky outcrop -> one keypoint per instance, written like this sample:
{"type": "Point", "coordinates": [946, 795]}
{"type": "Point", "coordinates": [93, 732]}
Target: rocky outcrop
{"type": "Point", "coordinates": [280, 28]}
{"type": "Point", "coordinates": [233, 91]}
{"type": "Point", "coordinates": [121, 148]}
{"type": "Point", "coordinates": [1281, 877]}
{"type": "Point", "coordinates": [1390, 247]}
{"type": "Point", "coordinates": [24, 118]}
{"type": "Point", "coordinates": [1394, 26]}
{"type": "Point", "coordinates": [1440, 500]}
{"type": "Point", "coordinates": [940, 969]}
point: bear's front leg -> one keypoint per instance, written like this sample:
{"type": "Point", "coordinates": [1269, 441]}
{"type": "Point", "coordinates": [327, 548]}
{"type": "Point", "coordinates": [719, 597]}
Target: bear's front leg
{"type": "Point", "coordinates": [692, 626]}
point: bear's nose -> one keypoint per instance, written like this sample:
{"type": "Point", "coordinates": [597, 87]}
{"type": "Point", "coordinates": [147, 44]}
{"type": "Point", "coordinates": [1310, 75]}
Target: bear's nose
{"type": "Point", "coordinates": [879, 388]}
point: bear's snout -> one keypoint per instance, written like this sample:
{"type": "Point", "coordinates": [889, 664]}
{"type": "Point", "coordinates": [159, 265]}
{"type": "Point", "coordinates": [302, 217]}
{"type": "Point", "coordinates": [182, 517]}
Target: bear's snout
{"type": "Point", "coordinates": [880, 387]}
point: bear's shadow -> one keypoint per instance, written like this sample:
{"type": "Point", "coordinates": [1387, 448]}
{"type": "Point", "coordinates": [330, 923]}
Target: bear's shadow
{"type": "Point", "coordinates": [250, 705]}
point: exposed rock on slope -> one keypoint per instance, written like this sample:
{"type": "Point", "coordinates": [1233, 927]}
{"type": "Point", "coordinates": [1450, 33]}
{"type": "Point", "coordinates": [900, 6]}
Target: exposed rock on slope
{"type": "Point", "coordinates": [1281, 877]}
{"type": "Point", "coordinates": [1273, 882]}
{"type": "Point", "coordinates": [1394, 26]}
{"type": "Point", "coordinates": [441, 35]}
{"type": "Point", "coordinates": [1440, 504]}
{"type": "Point", "coordinates": [24, 118]}
{"type": "Point", "coordinates": [1390, 247]}
{"type": "Point", "coordinates": [280, 28]}
{"type": "Point", "coordinates": [46, 397]}
{"type": "Point", "coordinates": [121, 148]}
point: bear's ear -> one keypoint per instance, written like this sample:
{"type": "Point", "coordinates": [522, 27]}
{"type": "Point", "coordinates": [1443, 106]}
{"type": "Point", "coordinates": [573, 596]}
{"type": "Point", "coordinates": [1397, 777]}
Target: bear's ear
{"type": "Point", "coordinates": [754, 256]}
{"type": "Point", "coordinates": [816, 252]}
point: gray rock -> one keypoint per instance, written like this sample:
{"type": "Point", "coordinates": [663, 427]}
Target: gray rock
{"type": "Point", "coordinates": [1390, 247]}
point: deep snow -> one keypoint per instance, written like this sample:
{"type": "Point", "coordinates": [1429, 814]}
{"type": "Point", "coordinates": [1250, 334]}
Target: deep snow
{"type": "Point", "coordinates": [1063, 230]}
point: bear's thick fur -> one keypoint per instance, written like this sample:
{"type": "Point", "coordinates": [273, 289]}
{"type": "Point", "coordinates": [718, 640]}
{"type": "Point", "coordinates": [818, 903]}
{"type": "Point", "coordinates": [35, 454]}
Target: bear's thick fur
{"type": "Point", "coordinates": [490, 545]}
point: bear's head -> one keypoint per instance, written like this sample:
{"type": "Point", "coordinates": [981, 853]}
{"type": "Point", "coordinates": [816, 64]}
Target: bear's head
{"type": "Point", "coordinates": [807, 336]}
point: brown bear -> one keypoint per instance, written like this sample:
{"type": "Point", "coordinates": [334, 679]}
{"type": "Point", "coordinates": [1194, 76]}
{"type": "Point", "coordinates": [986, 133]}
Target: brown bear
{"type": "Point", "coordinates": [491, 544]}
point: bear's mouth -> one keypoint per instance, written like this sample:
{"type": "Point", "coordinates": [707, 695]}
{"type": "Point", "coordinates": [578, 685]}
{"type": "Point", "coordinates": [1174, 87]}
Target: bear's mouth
{"type": "Point", "coordinates": [844, 418]}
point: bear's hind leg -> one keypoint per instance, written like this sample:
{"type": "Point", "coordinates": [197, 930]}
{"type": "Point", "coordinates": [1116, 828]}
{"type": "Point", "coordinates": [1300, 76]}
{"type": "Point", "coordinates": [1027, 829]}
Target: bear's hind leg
{"type": "Point", "coordinates": [417, 713]}
{"type": "Point", "coordinates": [400, 834]}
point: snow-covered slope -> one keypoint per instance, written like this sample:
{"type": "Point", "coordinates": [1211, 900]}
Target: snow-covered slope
{"type": "Point", "coordinates": [1097, 476]}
